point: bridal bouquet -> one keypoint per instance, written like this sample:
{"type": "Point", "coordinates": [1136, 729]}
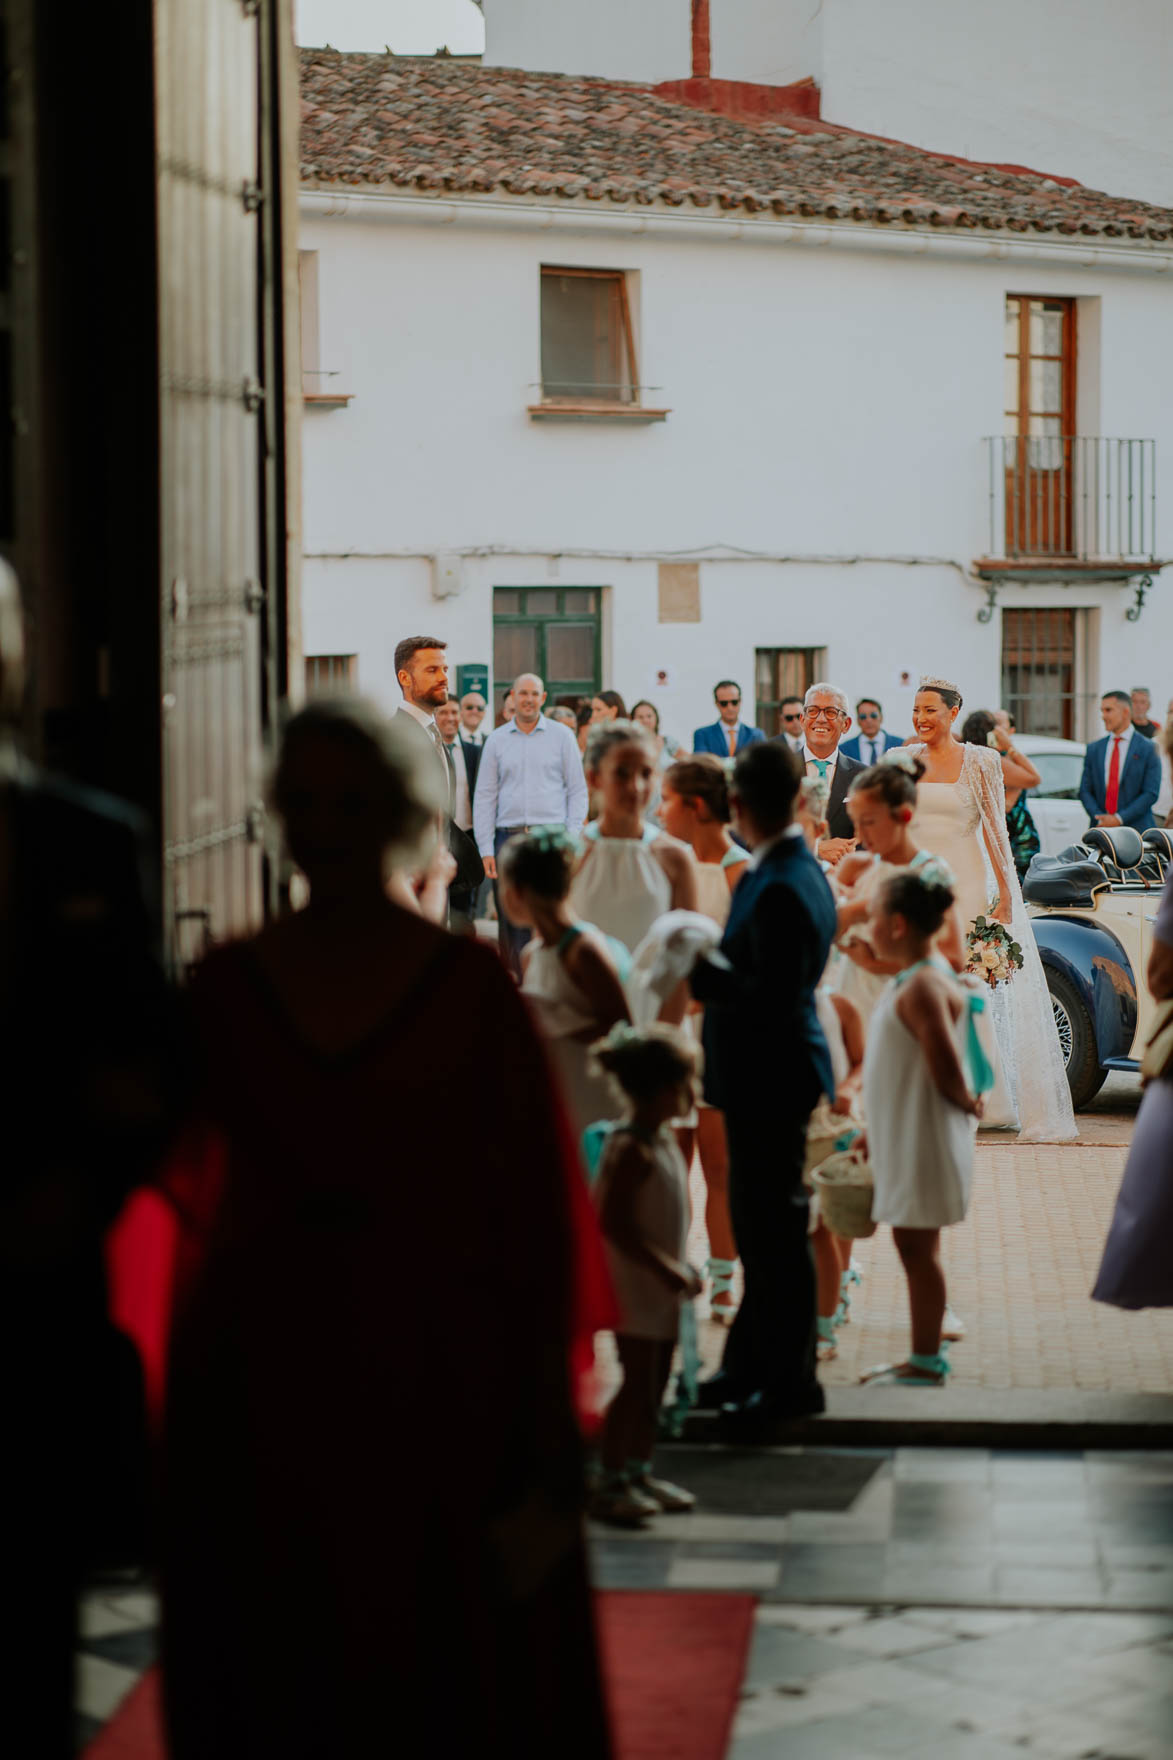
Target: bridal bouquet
{"type": "Point", "coordinates": [994, 954]}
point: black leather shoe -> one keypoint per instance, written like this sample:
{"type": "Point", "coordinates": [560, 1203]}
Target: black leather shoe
{"type": "Point", "coordinates": [757, 1418]}
{"type": "Point", "coordinates": [716, 1392]}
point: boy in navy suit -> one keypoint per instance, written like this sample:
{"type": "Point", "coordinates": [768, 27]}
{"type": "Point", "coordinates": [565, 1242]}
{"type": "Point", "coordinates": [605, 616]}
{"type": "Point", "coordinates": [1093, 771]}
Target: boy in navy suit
{"type": "Point", "coordinates": [766, 1063]}
{"type": "Point", "coordinates": [729, 734]}
{"type": "Point", "coordinates": [1122, 772]}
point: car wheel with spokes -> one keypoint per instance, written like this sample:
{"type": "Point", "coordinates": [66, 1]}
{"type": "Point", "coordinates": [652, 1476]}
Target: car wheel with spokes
{"type": "Point", "coordinates": [1077, 1040]}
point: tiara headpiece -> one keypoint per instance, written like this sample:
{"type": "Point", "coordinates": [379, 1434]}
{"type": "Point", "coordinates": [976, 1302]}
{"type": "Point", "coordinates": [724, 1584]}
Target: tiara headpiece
{"type": "Point", "coordinates": [929, 683]}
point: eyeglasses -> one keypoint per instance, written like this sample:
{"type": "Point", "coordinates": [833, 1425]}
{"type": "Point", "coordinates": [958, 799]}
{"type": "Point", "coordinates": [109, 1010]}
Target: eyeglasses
{"type": "Point", "coordinates": [822, 714]}
{"type": "Point", "coordinates": [792, 715]}
{"type": "Point", "coordinates": [728, 702]}
{"type": "Point", "coordinates": [868, 714]}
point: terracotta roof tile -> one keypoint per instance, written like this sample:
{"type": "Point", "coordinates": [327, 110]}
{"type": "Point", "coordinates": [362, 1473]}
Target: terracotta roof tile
{"type": "Point", "coordinates": [438, 124]}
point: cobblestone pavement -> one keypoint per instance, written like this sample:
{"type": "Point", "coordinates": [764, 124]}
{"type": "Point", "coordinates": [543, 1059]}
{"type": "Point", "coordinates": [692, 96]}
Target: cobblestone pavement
{"type": "Point", "coordinates": [1019, 1270]}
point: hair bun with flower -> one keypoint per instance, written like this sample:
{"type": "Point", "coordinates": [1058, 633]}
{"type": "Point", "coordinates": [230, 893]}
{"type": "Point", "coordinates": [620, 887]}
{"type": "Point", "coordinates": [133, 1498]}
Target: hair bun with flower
{"type": "Point", "coordinates": [621, 1035]}
{"type": "Point", "coordinates": [815, 792]}
{"type": "Point", "coordinates": [551, 837]}
{"type": "Point", "coordinates": [901, 758]}
{"type": "Point", "coordinates": [935, 872]}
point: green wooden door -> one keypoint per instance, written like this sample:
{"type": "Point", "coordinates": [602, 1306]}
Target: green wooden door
{"type": "Point", "coordinates": [553, 631]}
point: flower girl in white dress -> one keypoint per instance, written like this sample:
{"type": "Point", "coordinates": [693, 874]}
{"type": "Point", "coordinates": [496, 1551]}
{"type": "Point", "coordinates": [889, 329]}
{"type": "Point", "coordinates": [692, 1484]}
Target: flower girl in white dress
{"type": "Point", "coordinates": [922, 1065]}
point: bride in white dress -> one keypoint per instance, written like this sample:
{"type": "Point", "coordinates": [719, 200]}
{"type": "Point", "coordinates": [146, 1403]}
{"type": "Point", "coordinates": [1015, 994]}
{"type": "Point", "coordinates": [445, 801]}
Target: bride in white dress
{"type": "Point", "coordinates": [961, 817]}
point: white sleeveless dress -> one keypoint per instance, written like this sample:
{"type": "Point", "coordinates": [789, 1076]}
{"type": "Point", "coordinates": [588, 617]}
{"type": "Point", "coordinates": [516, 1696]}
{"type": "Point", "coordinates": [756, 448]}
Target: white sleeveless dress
{"type": "Point", "coordinates": [621, 887]}
{"type": "Point", "coordinates": [847, 979]}
{"type": "Point", "coordinates": [920, 1147]}
{"type": "Point", "coordinates": [563, 1012]}
{"type": "Point", "coordinates": [954, 821]}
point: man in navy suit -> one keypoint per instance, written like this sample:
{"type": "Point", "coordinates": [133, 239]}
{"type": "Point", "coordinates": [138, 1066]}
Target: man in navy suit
{"type": "Point", "coordinates": [729, 734]}
{"type": "Point", "coordinates": [873, 739]}
{"type": "Point", "coordinates": [1121, 772]}
{"type": "Point", "coordinates": [766, 1063]}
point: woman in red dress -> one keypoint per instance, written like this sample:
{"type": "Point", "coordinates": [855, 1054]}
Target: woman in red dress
{"type": "Point", "coordinates": [372, 1534]}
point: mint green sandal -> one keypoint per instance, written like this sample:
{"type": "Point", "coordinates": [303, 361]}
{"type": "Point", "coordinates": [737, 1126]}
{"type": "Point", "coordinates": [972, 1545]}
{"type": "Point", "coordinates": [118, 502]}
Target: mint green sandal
{"type": "Point", "coordinates": [721, 1272]}
{"type": "Point", "coordinates": [932, 1372]}
{"type": "Point", "coordinates": [826, 1348]}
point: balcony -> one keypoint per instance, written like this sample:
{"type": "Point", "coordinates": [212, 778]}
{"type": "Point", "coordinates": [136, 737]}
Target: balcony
{"type": "Point", "coordinates": [1070, 507]}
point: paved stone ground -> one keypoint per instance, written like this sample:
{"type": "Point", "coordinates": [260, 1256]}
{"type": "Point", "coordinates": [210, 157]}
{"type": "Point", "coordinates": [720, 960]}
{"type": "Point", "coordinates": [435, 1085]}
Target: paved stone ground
{"type": "Point", "coordinates": [1019, 1270]}
{"type": "Point", "coordinates": [963, 1604]}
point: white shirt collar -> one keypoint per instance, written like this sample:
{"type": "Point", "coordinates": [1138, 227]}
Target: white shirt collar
{"type": "Point", "coordinates": [762, 851]}
{"type": "Point", "coordinates": [417, 714]}
{"type": "Point", "coordinates": [811, 759]}
{"type": "Point", "coordinates": [1124, 737]}
{"type": "Point", "coordinates": [512, 727]}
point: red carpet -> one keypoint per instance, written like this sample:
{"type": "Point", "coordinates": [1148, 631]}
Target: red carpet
{"type": "Point", "coordinates": [673, 1665]}
{"type": "Point", "coordinates": [135, 1732]}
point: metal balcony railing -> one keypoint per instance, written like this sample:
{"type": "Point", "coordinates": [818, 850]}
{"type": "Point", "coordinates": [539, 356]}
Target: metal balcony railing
{"type": "Point", "coordinates": [1072, 498]}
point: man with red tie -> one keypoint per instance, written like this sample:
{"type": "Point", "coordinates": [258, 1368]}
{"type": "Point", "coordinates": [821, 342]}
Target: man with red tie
{"type": "Point", "coordinates": [1122, 772]}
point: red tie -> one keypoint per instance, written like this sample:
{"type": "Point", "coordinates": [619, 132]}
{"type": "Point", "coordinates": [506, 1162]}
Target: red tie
{"type": "Point", "coordinates": [1113, 794]}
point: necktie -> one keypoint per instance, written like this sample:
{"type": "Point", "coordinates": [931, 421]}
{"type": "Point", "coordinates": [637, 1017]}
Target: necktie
{"type": "Point", "coordinates": [1112, 796]}
{"type": "Point", "coordinates": [822, 765]}
{"type": "Point", "coordinates": [449, 766]}
{"type": "Point", "coordinates": [733, 742]}
{"type": "Point", "coordinates": [872, 759]}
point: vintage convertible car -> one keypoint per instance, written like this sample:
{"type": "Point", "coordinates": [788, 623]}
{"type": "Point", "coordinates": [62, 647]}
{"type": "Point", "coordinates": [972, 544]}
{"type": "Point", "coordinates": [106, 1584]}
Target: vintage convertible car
{"type": "Point", "coordinates": [1093, 908]}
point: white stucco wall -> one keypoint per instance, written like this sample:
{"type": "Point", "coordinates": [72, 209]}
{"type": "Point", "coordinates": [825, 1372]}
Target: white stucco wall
{"type": "Point", "coordinates": [650, 40]}
{"type": "Point", "coordinates": [1079, 88]}
{"type": "Point", "coordinates": [823, 404]}
{"type": "Point", "coordinates": [768, 42]}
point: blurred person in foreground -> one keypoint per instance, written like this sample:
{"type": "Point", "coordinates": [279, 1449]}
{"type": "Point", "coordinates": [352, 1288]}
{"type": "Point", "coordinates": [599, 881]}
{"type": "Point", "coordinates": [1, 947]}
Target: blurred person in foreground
{"type": "Point", "coordinates": [372, 1469]}
{"type": "Point", "coordinates": [1137, 1267]}
{"type": "Point", "coordinates": [87, 1046]}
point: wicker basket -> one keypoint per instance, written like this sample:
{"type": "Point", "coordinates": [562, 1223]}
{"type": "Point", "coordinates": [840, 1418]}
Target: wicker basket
{"type": "Point", "coordinates": [844, 1187]}
{"type": "Point", "coordinates": [827, 1129]}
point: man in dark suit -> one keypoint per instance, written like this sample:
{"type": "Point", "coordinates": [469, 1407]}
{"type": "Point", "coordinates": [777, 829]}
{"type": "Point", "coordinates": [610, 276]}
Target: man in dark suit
{"type": "Point", "coordinates": [873, 739]}
{"type": "Point", "coordinates": [825, 720]}
{"type": "Point", "coordinates": [766, 1062]}
{"type": "Point", "coordinates": [421, 666]}
{"type": "Point", "coordinates": [728, 735]}
{"type": "Point", "coordinates": [465, 759]}
{"type": "Point", "coordinates": [1121, 772]}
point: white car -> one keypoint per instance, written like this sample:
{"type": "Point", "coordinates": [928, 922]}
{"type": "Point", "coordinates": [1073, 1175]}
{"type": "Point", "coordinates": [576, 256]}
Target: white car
{"type": "Point", "coordinates": [1054, 805]}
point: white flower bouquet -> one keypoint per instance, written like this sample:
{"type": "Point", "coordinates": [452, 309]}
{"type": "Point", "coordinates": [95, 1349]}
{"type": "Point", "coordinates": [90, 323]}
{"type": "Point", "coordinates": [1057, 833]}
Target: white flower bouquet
{"type": "Point", "coordinates": [994, 954]}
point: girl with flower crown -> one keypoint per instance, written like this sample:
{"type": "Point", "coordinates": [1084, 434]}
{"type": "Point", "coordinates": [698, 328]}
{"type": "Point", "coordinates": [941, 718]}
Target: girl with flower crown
{"type": "Point", "coordinates": [641, 1190]}
{"type": "Point", "coordinates": [924, 1072]}
{"type": "Point", "coordinates": [881, 802]}
{"type": "Point", "coordinates": [570, 970]}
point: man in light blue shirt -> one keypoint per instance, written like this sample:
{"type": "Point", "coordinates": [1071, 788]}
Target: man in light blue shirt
{"type": "Point", "coordinates": [530, 774]}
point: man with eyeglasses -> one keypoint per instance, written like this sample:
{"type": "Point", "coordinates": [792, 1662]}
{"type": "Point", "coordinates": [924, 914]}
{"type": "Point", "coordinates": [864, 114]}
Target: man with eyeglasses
{"type": "Point", "coordinates": [873, 739]}
{"type": "Point", "coordinates": [728, 735]}
{"type": "Point", "coordinates": [825, 719]}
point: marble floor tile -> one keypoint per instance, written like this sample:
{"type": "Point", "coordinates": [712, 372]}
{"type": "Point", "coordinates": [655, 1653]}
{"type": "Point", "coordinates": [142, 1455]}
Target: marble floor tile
{"type": "Point", "coordinates": [722, 1573]}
